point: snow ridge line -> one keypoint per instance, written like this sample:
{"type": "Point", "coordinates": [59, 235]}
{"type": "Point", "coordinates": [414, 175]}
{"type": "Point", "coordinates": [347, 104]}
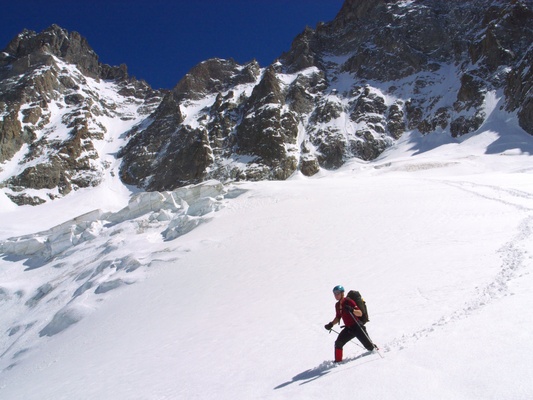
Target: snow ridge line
{"type": "Point", "coordinates": [514, 256]}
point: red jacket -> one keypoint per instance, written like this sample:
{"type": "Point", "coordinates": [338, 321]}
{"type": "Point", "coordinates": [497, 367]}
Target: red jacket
{"type": "Point", "coordinates": [347, 318]}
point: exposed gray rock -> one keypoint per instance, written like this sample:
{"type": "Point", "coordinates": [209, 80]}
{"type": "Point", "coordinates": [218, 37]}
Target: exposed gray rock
{"type": "Point", "coordinates": [50, 73]}
{"type": "Point", "coordinates": [302, 54]}
{"type": "Point", "coordinates": [299, 96]}
{"type": "Point", "coordinates": [395, 121]}
{"type": "Point", "coordinates": [348, 88]}
{"type": "Point", "coordinates": [309, 165]}
{"type": "Point", "coordinates": [518, 33]}
{"type": "Point", "coordinates": [30, 49]}
{"type": "Point", "coordinates": [266, 129]}
{"type": "Point", "coordinates": [416, 45]}
{"type": "Point", "coordinates": [212, 76]}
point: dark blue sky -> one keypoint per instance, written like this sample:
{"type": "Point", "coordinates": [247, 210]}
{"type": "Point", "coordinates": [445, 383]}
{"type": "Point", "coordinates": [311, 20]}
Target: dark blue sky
{"type": "Point", "coordinates": [160, 40]}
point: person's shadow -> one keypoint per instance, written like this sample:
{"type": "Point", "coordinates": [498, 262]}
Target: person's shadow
{"type": "Point", "coordinates": [319, 371]}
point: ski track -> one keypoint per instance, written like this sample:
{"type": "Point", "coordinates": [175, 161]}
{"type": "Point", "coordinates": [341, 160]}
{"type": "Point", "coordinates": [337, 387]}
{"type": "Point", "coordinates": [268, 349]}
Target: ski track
{"type": "Point", "coordinates": [509, 197]}
{"type": "Point", "coordinates": [513, 253]}
{"type": "Point", "coordinates": [515, 263]}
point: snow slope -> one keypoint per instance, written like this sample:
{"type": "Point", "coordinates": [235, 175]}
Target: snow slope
{"type": "Point", "coordinates": [436, 234]}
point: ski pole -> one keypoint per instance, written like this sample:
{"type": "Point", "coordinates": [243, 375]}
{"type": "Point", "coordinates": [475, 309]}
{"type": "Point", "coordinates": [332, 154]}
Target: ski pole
{"type": "Point", "coordinates": [351, 340]}
{"type": "Point", "coordinates": [365, 333]}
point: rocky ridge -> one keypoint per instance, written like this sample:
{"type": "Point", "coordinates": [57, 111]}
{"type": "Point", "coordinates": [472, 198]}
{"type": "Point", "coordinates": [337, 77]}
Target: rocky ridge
{"type": "Point", "coordinates": [59, 109]}
{"type": "Point", "coordinates": [348, 88]}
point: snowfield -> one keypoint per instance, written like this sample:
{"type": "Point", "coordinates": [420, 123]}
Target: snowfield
{"type": "Point", "coordinates": [222, 292]}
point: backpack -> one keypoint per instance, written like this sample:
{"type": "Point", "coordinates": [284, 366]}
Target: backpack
{"type": "Point", "coordinates": [356, 296]}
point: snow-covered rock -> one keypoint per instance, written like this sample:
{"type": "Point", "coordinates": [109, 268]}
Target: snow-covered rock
{"type": "Point", "coordinates": [348, 89]}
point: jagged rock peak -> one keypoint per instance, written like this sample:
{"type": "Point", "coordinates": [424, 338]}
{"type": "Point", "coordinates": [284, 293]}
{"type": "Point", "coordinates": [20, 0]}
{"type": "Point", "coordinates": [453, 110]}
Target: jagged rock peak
{"type": "Point", "coordinates": [214, 75]}
{"type": "Point", "coordinates": [56, 101]}
{"type": "Point", "coordinates": [30, 49]}
{"type": "Point", "coordinates": [348, 88]}
{"type": "Point", "coordinates": [56, 41]}
{"type": "Point", "coordinates": [357, 9]}
{"type": "Point", "coordinates": [354, 10]}
{"type": "Point", "coordinates": [268, 90]}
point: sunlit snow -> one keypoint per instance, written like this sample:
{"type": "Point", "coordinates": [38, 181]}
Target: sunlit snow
{"type": "Point", "coordinates": [222, 291]}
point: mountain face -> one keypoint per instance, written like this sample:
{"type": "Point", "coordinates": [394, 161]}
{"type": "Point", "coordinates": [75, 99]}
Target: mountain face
{"type": "Point", "coordinates": [349, 88]}
{"type": "Point", "coordinates": [60, 112]}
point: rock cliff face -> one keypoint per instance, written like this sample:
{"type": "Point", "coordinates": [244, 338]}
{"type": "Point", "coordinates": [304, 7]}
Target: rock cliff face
{"type": "Point", "coordinates": [59, 109]}
{"type": "Point", "coordinates": [349, 88]}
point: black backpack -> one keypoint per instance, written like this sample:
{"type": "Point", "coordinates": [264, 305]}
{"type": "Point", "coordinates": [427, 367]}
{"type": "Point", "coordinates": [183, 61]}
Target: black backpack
{"type": "Point", "coordinates": [356, 296]}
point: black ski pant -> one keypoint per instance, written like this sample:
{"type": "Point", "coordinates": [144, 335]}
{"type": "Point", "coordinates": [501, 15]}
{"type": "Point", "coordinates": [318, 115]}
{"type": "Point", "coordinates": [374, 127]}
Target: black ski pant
{"type": "Point", "coordinates": [356, 331]}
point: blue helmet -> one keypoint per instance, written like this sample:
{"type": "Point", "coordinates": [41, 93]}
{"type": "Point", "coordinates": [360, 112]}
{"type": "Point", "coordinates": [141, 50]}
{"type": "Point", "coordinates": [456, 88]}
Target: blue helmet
{"type": "Point", "coordinates": [338, 288]}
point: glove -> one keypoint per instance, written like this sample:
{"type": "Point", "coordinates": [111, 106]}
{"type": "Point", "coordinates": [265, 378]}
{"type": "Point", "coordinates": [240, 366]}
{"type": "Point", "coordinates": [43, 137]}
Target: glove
{"type": "Point", "coordinates": [328, 326]}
